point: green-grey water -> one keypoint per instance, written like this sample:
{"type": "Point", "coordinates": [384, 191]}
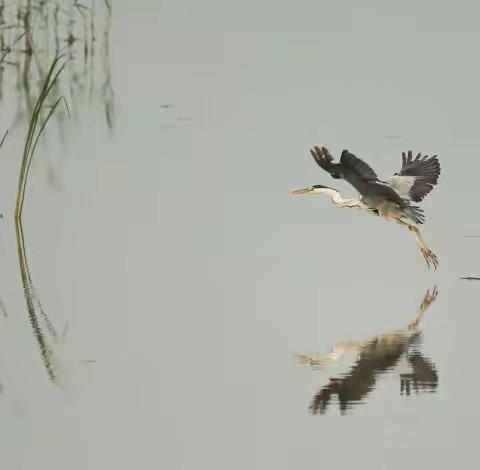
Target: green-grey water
{"type": "Point", "coordinates": [185, 293]}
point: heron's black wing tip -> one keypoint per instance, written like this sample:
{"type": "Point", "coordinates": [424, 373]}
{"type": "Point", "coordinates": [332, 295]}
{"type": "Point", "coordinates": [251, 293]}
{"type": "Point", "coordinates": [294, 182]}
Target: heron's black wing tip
{"type": "Point", "coordinates": [424, 169]}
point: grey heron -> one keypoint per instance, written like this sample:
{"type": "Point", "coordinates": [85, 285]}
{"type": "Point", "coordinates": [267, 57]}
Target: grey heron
{"type": "Point", "coordinates": [394, 351]}
{"type": "Point", "coordinates": [393, 200]}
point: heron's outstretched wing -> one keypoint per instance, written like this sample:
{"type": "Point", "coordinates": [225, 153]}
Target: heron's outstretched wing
{"type": "Point", "coordinates": [355, 171]}
{"type": "Point", "coordinates": [324, 159]}
{"type": "Point", "coordinates": [417, 177]}
{"type": "Point", "coordinates": [355, 165]}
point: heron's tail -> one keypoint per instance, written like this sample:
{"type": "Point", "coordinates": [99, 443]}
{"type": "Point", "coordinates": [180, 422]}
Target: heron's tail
{"type": "Point", "coordinates": [415, 213]}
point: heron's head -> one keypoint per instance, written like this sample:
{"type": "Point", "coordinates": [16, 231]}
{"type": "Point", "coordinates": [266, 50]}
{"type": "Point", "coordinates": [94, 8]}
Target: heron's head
{"type": "Point", "coordinates": [315, 189]}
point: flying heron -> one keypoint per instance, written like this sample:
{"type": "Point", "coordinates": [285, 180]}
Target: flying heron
{"type": "Point", "coordinates": [393, 200]}
{"type": "Point", "coordinates": [394, 352]}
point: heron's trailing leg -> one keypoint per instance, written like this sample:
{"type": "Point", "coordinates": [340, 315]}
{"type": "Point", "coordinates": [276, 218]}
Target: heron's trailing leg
{"type": "Point", "coordinates": [429, 256]}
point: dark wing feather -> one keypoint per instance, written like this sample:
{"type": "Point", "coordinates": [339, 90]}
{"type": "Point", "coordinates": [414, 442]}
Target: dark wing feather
{"type": "Point", "coordinates": [324, 159]}
{"type": "Point", "coordinates": [418, 175]}
{"type": "Point", "coordinates": [425, 167]}
{"type": "Point", "coordinates": [354, 164]}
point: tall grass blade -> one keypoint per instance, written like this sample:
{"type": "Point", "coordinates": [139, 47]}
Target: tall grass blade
{"type": "Point", "coordinates": [35, 130]}
{"type": "Point", "coordinates": [34, 134]}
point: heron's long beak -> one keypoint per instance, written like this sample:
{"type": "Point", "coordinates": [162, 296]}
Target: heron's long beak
{"type": "Point", "coordinates": [298, 192]}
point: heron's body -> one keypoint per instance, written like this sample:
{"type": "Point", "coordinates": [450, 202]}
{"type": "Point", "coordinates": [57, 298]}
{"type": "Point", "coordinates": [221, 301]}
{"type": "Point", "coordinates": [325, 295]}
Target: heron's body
{"type": "Point", "coordinates": [393, 200]}
{"type": "Point", "coordinates": [383, 206]}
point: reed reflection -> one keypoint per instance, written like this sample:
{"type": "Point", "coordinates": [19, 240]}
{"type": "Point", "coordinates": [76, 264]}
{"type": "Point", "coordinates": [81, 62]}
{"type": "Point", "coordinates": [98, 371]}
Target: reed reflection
{"type": "Point", "coordinates": [33, 31]}
{"type": "Point", "coordinates": [42, 327]}
{"type": "Point", "coordinates": [396, 352]}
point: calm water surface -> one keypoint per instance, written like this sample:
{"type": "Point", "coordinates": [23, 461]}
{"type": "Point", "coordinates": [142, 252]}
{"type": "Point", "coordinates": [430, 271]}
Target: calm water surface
{"type": "Point", "coordinates": [206, 319]}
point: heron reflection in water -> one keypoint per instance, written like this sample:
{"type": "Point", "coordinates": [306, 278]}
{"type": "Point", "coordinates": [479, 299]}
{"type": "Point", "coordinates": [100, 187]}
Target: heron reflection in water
{"type": "Point", "coordinates": [381, 354]}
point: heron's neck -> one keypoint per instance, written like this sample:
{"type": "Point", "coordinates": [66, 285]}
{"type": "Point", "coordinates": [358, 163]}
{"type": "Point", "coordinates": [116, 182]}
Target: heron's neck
{"type": "Point", "coordinates": [337, 198]}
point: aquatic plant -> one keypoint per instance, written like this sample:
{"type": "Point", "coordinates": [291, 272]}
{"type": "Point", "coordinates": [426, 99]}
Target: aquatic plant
{"type": "Point", "coordinates": [35, 130]}
{"type": "Point", "coordinates": [38, 121]}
